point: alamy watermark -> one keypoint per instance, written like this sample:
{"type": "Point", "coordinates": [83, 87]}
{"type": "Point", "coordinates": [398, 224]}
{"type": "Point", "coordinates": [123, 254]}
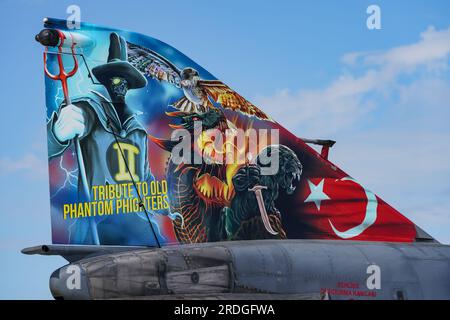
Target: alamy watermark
{"type": "Point", "coordinates": [231, 146]}
{"type": "Point", "coordinates": [73, 21]}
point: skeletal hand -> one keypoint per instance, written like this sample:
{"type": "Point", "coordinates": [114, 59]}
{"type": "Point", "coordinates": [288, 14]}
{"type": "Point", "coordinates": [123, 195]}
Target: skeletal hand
{"type": "Point", "coordinates": [70, 123]}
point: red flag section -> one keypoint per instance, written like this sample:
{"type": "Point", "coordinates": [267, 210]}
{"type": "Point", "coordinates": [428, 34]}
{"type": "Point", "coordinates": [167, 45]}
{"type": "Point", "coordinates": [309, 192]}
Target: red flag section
{"type": "Point", "coordinates": [329, 204]}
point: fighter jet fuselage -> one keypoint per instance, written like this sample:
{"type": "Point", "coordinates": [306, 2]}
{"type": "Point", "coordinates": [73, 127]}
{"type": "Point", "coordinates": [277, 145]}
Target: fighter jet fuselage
{"type": "Point", "coordinates": [257, 269]}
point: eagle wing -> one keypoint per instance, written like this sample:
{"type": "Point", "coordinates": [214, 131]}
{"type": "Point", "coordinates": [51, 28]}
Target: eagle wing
{"type": "Point", "coordinates": [152, 64]}
{"type": "Point", "coordinates": [188, 106]}
{"type": "Point", "coordinates": [230, 99]}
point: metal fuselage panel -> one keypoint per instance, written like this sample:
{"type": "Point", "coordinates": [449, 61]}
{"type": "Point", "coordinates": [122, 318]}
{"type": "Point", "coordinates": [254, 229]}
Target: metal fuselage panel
{"type": "Point", "coordinates": [289, 268]}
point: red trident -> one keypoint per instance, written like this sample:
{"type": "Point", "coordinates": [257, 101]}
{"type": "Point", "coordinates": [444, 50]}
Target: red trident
{"type": "Point", "coordinates": [63, 75]}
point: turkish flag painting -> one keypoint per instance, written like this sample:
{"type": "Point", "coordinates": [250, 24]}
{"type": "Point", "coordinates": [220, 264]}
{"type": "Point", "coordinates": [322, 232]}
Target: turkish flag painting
{"type": "Point", "coordinates": [329, 204]}
{"type": "Point", "coordinates": [342, 209]}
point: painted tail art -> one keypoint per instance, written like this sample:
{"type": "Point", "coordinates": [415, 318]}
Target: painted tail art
{"type": "Point", "coordinates": [138, 106]}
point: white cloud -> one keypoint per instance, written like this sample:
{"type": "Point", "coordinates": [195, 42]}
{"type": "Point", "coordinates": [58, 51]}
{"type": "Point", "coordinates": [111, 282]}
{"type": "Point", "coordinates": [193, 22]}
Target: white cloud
{"type": "Point", "coordinates": [321, 112]}
{"type": "Point", "coordinates": [345, 100]}
{"type": "Point", "coordinates": [434, 46]}
{"type": "Point", "coordinates": [28, 164]}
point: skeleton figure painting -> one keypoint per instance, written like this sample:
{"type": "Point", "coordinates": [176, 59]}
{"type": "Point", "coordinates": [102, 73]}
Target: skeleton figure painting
{"type": "Point", "coordinates": [111, 139]}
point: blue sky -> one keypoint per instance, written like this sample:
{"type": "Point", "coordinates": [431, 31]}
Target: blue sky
{"type": "Point", "coordinates": [384, 95]}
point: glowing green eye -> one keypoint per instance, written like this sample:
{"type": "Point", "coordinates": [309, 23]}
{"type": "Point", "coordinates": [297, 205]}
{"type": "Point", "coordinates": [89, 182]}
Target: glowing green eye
{"type": "Point", "coordinates": [116, 81]}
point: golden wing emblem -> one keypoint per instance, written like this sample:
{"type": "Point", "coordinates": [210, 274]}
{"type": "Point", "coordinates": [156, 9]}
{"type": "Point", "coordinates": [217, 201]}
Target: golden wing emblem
{"type": "Point", "coordinates": [230, 99]}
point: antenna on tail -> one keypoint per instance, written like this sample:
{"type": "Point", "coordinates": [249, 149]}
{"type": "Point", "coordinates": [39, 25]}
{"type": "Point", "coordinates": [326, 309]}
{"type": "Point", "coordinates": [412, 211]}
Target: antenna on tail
{"type": "Point", "coordinates": [326, 145]}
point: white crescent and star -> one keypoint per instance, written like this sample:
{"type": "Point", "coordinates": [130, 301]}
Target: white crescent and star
{"type": "Point", "coordinates": [317, 195]}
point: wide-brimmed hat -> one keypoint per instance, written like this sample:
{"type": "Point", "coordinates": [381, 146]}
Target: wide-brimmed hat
{"type": "Point", "coordinates": [118, 66]}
